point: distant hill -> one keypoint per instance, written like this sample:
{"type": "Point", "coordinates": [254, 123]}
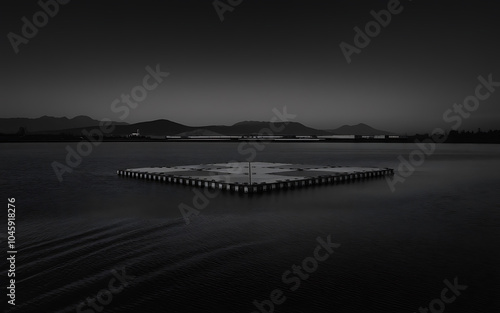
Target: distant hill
{"type": "Point", "coordinates": [359, 129]}
{"type": "Point", "coordinates": [254, 127]}
{"type": "Point", "coordinates": [153, 128]}
{"type": "Point", "coordinates": [46, 123]}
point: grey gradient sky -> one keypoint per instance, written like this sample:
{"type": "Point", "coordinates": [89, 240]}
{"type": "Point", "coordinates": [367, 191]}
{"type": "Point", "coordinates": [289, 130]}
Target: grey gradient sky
{"type": "Point", "coordinates": [265, 54]}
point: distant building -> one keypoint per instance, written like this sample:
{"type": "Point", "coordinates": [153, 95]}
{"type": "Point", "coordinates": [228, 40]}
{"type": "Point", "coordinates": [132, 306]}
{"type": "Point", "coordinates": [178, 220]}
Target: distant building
{"type": "Point", "coordinates": [137, 134]}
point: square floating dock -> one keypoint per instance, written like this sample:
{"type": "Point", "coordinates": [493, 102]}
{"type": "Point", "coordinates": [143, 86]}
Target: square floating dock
{"type": "Point", "coordinates": [254, 177]}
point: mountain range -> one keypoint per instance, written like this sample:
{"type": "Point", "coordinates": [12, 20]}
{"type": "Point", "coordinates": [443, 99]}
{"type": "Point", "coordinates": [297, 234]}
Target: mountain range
{"type": "Point", "coordinates": [163, 127]}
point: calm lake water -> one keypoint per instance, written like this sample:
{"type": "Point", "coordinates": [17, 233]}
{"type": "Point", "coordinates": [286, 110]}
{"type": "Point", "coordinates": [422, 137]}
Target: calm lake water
{"type": "Point", "coordinates": [396, 248]}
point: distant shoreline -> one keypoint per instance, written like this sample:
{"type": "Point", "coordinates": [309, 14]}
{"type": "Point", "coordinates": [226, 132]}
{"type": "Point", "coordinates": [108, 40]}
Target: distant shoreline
{"type": "Point", "coordinates": [287, 141]}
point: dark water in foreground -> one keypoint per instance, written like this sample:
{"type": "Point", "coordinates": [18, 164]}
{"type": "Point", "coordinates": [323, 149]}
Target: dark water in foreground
{"type": "Point", "coordinates": [395, 248]}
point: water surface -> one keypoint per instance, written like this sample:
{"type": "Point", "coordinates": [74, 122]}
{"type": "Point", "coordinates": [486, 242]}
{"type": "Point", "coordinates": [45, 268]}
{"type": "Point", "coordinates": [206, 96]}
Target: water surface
{"type": "Point", "coordinates": [396, 247]}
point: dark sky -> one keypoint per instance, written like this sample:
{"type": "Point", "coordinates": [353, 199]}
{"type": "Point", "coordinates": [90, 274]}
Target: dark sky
{"type": "Point", "coordinates": [265, 54]}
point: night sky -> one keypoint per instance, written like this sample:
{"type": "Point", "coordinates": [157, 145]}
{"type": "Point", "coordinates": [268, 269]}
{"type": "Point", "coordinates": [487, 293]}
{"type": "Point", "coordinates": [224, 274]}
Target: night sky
{"type": "Point", "coordinates": [265, 54]}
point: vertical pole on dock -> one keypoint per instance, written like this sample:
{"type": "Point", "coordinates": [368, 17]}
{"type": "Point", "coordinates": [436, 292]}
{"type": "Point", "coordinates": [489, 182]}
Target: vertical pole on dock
{"type": "Point", "coordinates": [250, 173]}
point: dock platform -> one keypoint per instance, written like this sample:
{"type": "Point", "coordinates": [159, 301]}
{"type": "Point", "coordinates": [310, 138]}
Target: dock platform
{"type": "Point", "coordinates": [254, 177]}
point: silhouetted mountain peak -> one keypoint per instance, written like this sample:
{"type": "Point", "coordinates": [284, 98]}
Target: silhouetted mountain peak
{"type": "Point", "coordinates": [358, 129]}
{"type": "Point", "coordinates": [81, 117]}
